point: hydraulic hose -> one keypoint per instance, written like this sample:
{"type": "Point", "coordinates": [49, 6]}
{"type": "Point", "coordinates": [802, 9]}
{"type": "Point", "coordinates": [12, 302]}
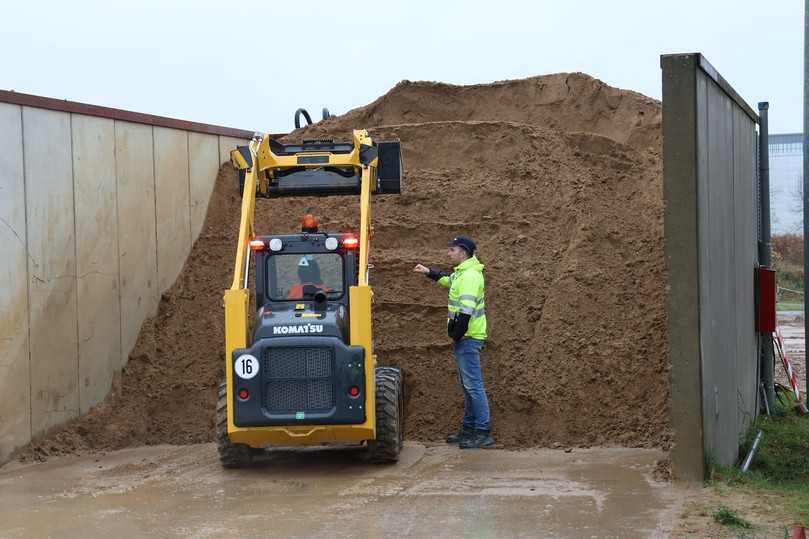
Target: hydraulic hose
{"type": "Point", "coordinates": [298, 118]}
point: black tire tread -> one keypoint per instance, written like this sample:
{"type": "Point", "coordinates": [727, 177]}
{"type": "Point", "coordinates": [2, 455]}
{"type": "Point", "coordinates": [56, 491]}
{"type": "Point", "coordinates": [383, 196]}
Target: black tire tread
{"type": "Point", "coordinates": [389, 416]}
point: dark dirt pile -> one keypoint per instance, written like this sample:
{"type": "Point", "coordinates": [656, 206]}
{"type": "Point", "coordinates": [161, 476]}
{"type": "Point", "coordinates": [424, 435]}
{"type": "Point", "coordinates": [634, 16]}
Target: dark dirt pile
{"type": "Point", "coordinates": [558, 179]}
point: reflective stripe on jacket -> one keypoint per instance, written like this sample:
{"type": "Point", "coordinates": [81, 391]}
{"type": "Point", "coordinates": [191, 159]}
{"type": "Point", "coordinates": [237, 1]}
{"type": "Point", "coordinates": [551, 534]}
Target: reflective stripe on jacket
{"type": "Point", "coordinates": [466, 295]}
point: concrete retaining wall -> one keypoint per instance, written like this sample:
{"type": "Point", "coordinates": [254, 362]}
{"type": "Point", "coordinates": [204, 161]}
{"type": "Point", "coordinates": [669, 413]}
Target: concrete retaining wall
{"type": "Point", "coordinates": [97, 217]}
{"type": "Point", "coordinates": [711, 234]}
{"type": "Point", "coordinates": [15, 386]}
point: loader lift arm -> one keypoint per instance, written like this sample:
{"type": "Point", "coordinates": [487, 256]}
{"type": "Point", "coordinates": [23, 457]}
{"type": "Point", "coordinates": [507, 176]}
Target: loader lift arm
{"type": "Point", "coordinates": [363, 155]}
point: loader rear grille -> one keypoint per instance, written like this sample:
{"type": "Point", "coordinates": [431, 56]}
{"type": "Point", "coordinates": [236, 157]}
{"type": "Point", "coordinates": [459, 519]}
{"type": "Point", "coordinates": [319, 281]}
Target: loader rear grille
{"type": "Point", "coordinates": [298, 379]}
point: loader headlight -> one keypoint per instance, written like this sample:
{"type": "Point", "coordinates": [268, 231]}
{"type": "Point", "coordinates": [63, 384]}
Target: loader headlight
{"type": "Point", "coordinates": [331, 244]}
{"type": "Point", "coordinates": [276, 244]}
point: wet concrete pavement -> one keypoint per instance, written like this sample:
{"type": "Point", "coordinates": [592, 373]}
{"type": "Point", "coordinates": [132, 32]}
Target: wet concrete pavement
{"type": "Point", "coordinates": [170, 491]}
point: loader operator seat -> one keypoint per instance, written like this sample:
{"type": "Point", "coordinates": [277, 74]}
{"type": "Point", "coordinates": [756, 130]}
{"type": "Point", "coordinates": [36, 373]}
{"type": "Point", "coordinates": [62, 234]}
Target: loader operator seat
{"type": "Point", "coordinates": [307, 275]}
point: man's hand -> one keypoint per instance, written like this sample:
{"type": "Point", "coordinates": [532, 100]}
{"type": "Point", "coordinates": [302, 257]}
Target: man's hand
{"type": "Point", "coordinates": [421, 269]}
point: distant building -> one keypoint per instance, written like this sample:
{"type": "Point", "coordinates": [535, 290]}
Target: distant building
{"type": "Point", "coordinates": [786, 181]}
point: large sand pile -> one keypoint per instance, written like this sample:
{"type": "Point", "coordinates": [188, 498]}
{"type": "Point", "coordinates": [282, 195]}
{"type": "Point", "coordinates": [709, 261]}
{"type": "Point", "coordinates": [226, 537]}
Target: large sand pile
{"type": "Point", "coordinates": [558, 179]}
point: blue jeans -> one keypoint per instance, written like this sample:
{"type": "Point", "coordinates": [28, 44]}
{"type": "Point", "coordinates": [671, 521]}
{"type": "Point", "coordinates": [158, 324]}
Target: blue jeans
{"type": "Point", "coordinates": [475, 403]}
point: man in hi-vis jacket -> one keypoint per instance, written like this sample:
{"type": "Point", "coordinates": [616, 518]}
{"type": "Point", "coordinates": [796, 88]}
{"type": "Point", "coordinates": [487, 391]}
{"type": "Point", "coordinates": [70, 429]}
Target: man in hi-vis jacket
{"type": "Point", "coordinates": [466, 325]}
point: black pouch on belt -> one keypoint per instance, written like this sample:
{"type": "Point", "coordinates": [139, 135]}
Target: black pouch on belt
{"type": "Point", "coordinates": [457, 326]}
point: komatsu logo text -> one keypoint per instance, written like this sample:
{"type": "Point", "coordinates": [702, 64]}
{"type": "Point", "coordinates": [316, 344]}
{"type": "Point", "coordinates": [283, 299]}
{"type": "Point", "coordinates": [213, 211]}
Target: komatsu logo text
{"type": "Point", "coordinates": [297, 330]}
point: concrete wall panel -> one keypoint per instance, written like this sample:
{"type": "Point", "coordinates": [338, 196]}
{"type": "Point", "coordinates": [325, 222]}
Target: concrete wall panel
{"type": "Point", "coordinates": [15, 391]}
{"type": "Point", "coordinates": [746, 255]}
{"type": "Point", "coordinates": [97, 217]}
{"type": "Point", "coordinates": [172, 188]}
{"type": "Point", "coordinates": [96, 257]}
{"type": "Point", "coordinates": [203, 165]}
{"type": "Point", "coordinates": [728, 257]}
{"type": "Point", "coordinates": [681, 194]}
{"type": "Point", "coordinates": [710, 180]}
{"type": "Point", "coordinates": [51, 268]}
{"type": "Point", "coordinates": [137, 236]}
{"type": "Point", "coordinates": [226, 144]}
{"type": "Point", "coordinates": [717, 260]}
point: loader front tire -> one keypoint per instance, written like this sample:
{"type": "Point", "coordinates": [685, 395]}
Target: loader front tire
{"type": "Point", "coordinates": [389, 416]}
{"type": "Point", "coordinates": [230, 455]}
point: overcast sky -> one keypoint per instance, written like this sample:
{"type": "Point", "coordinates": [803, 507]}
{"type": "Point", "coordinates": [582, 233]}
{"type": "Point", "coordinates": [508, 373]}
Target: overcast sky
{"type": "Point", "coordinates": [251, 64]}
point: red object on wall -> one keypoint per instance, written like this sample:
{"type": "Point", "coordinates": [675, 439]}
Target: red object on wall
{"type": "Point", "coordinates": [765, 317]}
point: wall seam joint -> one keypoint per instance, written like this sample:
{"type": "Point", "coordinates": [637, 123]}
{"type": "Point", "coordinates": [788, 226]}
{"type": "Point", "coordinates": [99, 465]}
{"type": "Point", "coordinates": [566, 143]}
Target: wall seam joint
{"type": "Point", "coordinates": [190, 202]}
{"type": "Point", "coordinates": [118, 247]}
{"type": "Point", "coordinates": [76, 266]}
{"type": "Point", "coordinates": [27, 275]}
{"type": "Point", "coordinates": [157, 224]}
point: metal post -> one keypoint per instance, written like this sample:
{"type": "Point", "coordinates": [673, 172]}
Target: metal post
{"type": "Point", "coordinates": [764, 247]}
{"type": "Point", "coordinates": [805, 172]}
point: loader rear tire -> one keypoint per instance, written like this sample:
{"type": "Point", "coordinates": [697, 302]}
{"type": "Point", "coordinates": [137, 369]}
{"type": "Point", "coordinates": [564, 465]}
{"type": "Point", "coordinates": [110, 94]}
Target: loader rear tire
{"type": "Point", "coordinates": [389, 416]}
{"type": "Point", "coordinates": [230, 455]}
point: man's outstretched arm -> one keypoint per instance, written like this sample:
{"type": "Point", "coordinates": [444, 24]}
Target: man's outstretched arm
{"type": "Point", "coordinates": [441, 277]}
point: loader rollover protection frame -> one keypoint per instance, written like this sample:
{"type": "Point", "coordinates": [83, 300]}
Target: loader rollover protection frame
{"type": "Point", "coordinates": [313, 168]}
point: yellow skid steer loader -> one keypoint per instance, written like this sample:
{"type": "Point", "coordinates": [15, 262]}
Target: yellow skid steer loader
{"type": "Point", "coordinates": [306, 373]}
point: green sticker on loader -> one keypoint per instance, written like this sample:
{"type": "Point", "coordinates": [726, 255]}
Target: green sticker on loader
{"type": "Point", "coordinates": [300, 415]}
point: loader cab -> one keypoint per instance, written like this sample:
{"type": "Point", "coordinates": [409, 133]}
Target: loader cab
{"type": "Point", "coordinates": [304, 278]}
{"type": "Point", "coordinates": [301, 265]}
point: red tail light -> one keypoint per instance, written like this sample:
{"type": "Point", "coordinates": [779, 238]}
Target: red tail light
{"type": "Point", "coordinates": [243, 394]}
{"type": "Point", "coordinates": [354, 391]}
{"type": "Point", "coordinates": [351, 242]}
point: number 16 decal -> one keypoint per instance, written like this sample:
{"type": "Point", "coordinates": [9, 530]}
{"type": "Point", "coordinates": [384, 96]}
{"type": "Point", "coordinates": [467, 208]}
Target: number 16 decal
{"type": "Point", "coordinates": [246, 366]}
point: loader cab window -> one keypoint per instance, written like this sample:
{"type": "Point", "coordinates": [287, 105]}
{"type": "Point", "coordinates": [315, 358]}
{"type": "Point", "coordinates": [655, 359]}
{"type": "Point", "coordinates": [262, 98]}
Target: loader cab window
{"type": "Point", "coordinates": [300, 276]}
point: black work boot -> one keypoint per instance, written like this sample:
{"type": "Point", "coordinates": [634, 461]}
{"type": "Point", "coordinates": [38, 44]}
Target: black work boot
{"type": "Point", "coordinates": [463, 433]}
{"type": "Point", "coordinates": [481, 439]}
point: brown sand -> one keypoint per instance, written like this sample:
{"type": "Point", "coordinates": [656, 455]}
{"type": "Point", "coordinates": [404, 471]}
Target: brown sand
{"type": "Point", "coordinates": [558, 179]}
